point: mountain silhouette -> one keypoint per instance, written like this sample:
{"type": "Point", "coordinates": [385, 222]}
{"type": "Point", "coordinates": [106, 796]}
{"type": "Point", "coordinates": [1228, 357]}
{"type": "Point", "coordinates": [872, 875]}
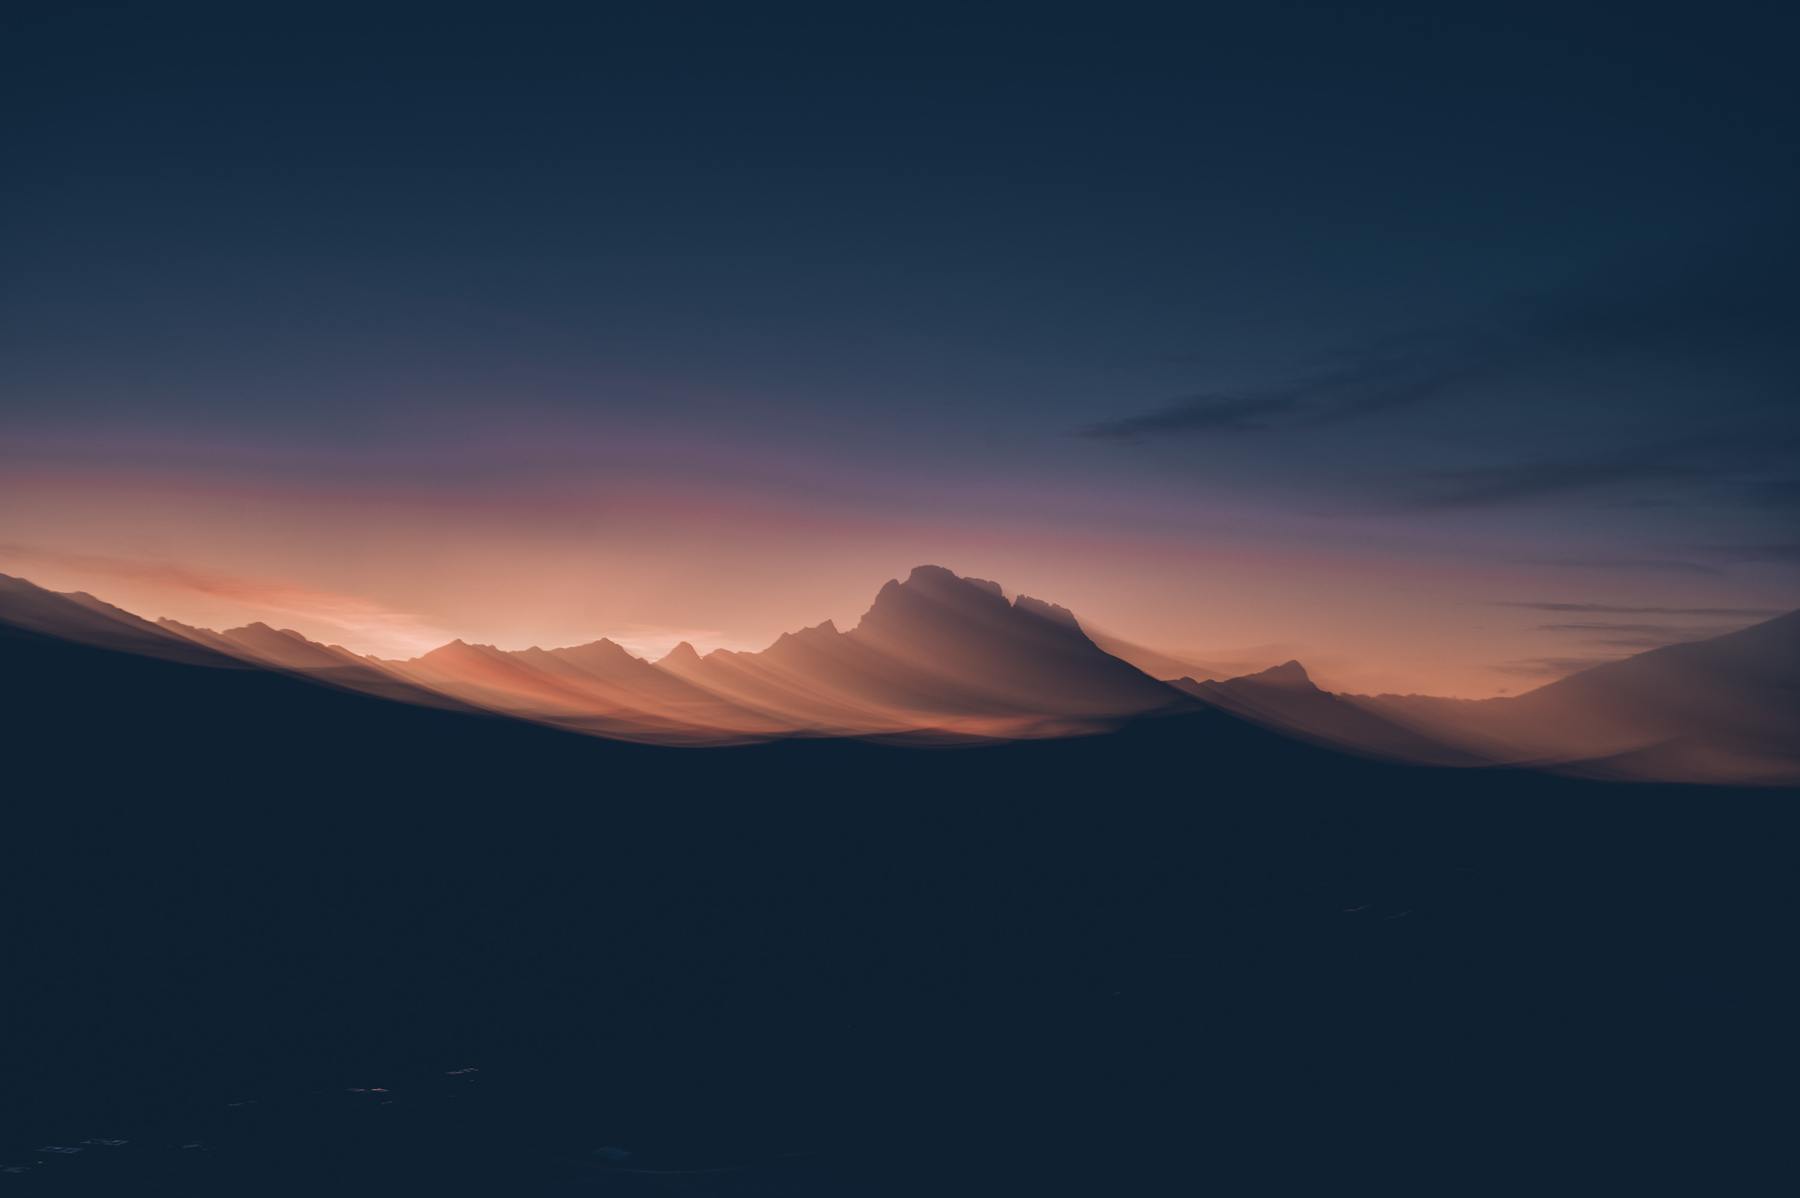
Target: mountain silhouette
{"type": "Point", "coordinates": [941, 658]}
{"type": "Point", "coordinates": [78, 616]}
{"type": "Point", "coordinates": [937, 652]}
{"type": "Point", "coordinates": [936, 657]}
{"type": "Point", "coordinates": [947, 635]}
{"type": "Point", "coordinates": [1283, 698]}
{"type": "Point", "coordinates": [1062, 964]}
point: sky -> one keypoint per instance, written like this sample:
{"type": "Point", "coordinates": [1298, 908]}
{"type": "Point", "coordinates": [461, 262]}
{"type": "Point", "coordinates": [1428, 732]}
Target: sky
{"type": "Point", "coordinates": [1448, 351]}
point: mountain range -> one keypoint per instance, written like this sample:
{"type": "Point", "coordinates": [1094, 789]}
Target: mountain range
{"type": "Point", "coordinates": [944, 659]}
{"type": "Point", "coordinates": [250, 874]}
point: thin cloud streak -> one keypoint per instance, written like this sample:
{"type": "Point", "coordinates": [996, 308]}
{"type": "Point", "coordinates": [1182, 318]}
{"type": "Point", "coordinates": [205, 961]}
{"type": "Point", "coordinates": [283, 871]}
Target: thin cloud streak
{"type": "Point", "coordinates": [1660, 564]}
{"type": "Point", "coordinates": [1372, 383]}
{"type": "Point", "coordinates": [1641, 636]}
{"type": "Point", "coordinates": [1644, 629]}
{"type": "Point", "coordinates": [1610, 609]}
{"type": "Point", "coordinates": [1747, 291]}
{"type": "Point", "coordinates": [1734, 459]}
{"type": "Point", "coordinates": [1551, 667]}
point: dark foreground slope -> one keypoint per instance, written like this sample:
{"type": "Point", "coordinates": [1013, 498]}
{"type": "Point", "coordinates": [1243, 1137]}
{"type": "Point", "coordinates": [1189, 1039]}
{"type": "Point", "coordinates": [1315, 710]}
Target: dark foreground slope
{"type": "Point", "coordinates": [1189, 954]}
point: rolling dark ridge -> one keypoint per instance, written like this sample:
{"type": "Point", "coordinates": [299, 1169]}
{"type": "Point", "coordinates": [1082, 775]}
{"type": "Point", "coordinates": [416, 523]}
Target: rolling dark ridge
{"type": "Point", "coordinates": [1163, 948]}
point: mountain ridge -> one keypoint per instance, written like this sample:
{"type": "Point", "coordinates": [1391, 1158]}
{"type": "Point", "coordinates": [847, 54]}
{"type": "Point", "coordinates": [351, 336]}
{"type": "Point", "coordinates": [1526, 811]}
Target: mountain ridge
{"type": "Point", "coordinates": [941, 658]}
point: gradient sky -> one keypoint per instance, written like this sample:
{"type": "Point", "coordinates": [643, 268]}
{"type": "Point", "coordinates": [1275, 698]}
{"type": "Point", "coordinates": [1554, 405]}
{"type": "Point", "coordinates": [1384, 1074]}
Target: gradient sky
{"type": "Point", "coordinates": [1446, 351]}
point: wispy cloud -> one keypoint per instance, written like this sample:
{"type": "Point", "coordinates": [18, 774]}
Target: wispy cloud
{"type": "Point", "coordinates": [1777, 493]}
{"type": "Point", "coordinates": [1645, 629]}
{"type": "Point", "coordinates": [1360, 383]}
{"type": "Point", "coordinates": [1739, 458]}
{"type": "Point", "coordinates": [1641, 642]}
{"type": "Point", "coordinates": [1610, 609]}
{"type": "Point", "coordinates": [1723, 328]}
{"type": "Point", "coordinates": [1639, 636]}
{"type": "Point", "coordinates": [1551, 667]}
{"type": "Point", "coordinates": [1656, 564]}
{"type": "Point", "coordinates": [1760, 553]}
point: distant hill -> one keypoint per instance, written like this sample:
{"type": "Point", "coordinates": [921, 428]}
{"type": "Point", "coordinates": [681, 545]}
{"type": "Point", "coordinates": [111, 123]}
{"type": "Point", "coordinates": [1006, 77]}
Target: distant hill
{"type": "Point", "coordinates": [1285, 699]}
{"type": "Point", "coordinates": [1724, 710]}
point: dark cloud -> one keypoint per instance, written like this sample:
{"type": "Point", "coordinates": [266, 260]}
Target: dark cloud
{"type": "Point", "coordinates": [1729, 459]}
{"type": "Point", "coordinates": [1551, 667]}
{"type": "Point", "coordinates": [1709, 349]}
{"type": "Point", "coordinates": [1633, 563]}
{"type": "Point", "coordinates": [1609, 609]}
{"type": "Point", "coordinates": [1528, 480]}
{"type": "Point", "coordinates": [1761, 553]}
{"type": "Point", "coordinates": [1665, 630]}
{"type": "Point", "coordinates": [1780, 493]}
{"type": "Point", "coordinates": [1641, 642]}
{"type": "Point", "coordinates": [1641, 636]}
{"type": "Point", "coordinates": [1378, 380]}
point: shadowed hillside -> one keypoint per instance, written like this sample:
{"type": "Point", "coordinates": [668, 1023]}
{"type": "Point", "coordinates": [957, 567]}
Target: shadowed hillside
{"type": "Point", "coordinates": [1063, 965]}
{"type": "Point", "coordinates": [1725, 709]}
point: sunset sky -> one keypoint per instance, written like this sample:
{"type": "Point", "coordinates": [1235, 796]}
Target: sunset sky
{"type": "Point", "coordinates": [1445, 354]}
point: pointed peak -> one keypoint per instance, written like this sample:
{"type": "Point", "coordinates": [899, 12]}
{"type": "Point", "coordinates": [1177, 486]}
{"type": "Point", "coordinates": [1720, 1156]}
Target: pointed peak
{"type": "Point", "coordinates": [1289, 674]}
{"type": "Point", "coordinates": [824, 631]}
{"type": "Point", "coordinates": [681, 654]}
{"type": "Point", "coordinates": [821, 636]}
{"type": "Point", "coordinates": [602, 644]}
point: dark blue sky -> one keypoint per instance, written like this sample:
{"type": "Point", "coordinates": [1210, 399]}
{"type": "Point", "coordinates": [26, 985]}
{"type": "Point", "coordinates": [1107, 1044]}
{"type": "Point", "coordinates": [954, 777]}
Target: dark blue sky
{"type": "Point", "coordinates": [1506, 287]}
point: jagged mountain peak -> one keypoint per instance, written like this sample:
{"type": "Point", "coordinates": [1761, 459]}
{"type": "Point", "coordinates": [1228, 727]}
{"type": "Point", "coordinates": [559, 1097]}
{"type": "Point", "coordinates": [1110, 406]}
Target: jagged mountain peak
{"type": "Point", "coordinates": [939, 583]}
{"type": "Point", "coordinates": [825, 631]}
{"type": "Point", "coordinates": [1049, 611]}
{"type": "Point", "coordinates": [451, 650]}
{"type": "Point", "coordinates": [942, 654]}
{"type": "Point", "coordinates": [947, 634]}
